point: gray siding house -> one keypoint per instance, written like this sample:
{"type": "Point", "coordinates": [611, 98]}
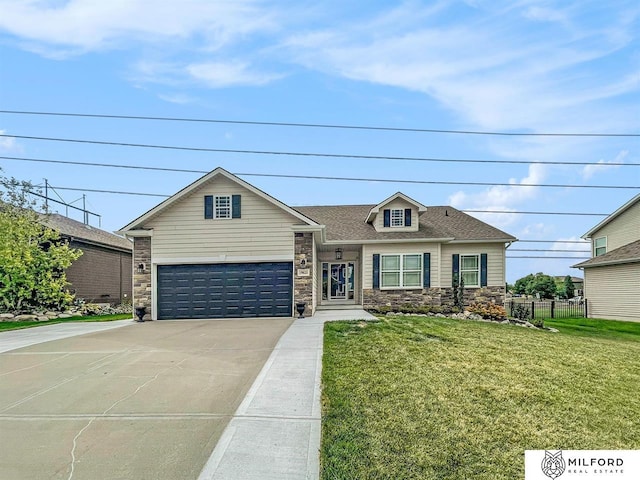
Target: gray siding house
{"type": "Point", "coordinates": [612, 275]}
{"type": "Point", "coordinates": [221, 248]}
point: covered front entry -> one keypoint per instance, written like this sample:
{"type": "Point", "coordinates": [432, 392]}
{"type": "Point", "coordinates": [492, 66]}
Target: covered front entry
{"type": "Point", "coordinates": [338, 281]}
{"type": "Point", "coordinates": [225, 290]}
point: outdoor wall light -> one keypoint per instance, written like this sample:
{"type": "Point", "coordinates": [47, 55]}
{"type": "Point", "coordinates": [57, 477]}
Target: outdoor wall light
{"type": "Point", "coordinates": [141, 268]}
{"type": "Point", "coordinates": [338, 254]}
{"type": "Point", "coordinates": [303, 262]}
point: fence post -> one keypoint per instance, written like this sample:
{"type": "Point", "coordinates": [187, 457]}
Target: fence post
{"type": "Point", "coordinates": [553, 308]}
{"type": "Point", "coordinates": [586, 311]}
{"type": "Point", "coordinates": [533, 310]}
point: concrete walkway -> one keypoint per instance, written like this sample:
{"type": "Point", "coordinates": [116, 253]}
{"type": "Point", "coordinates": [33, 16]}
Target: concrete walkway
{"type": "Point", "coordinates": [275, 432]}
{"type": "Point", "coordinates": [14, 339]}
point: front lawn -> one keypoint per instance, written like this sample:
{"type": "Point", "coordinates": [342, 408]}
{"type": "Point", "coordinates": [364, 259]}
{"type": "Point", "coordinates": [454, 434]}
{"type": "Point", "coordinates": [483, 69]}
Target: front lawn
{"type": "Point", "coordinates": [435, 398]}
{"type": "Point", "coordinates": [4, 326]}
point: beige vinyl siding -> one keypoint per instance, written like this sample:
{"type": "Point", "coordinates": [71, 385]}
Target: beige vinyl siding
{"type": "Point", "coordinates": [181, 231]}
{"type": "Point", "coordinates": [398, 203]}
{"type": "Point", "coordinates": [613, 291]}
{"type": "Point", "coordinates": [621, 230]}
{"type": "Point", "coordinates": [495, 261]}
{"type": "Point", "coordinates": [397, 248]}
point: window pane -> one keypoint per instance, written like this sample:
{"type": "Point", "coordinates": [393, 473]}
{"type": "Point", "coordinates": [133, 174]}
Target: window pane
{"type": "Point", "coordinates": [601, 251]}
{"type": "Point", "coordinates": [397, 218]}
{"type": "Point", "coordinates": [391, 262]}
{"type": "Point", "coordinates": [390, 279]}
{"type": "Point", "coordinates": [470, 279]}
{"type": "Point", "coordinates": [601, 242]}
{"type": "Point", "coordinates": [469, 262]}
{"type": "Point", "coordinates": [412, 279]}
{"type": "Point", "coordinates": [412, 262]}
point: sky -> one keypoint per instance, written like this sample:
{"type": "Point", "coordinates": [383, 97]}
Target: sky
{"type": "Point", "coordinates": [486, 66]}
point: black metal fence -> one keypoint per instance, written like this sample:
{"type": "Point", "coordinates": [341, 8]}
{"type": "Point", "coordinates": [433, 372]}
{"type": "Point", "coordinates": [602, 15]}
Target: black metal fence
{"type": "Point", "coordinates": [574, 308]}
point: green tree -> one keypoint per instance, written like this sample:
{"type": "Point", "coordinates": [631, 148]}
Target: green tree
{"type": "Point", "coordinates": [33, 258]}
{"type": "Point", "coordinates": [568, 287]}
{"type": "Point", "coordinates": [520, 287]}
{"type": "Point", "coordinates": [542, 285]}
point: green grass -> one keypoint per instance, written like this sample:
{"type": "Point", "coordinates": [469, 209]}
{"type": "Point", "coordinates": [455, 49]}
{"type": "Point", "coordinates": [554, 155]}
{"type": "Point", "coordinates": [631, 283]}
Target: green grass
{"type": "Point", "coordinates": [434, 398]}
{"type": "Point", "coordinates": [4, 326]}
{"type": "Point", "coordinates": [597, 328]}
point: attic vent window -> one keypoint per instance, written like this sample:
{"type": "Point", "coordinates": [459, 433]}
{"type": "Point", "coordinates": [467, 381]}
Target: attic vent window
{"type": "Point", "coordinates": [397, 217]}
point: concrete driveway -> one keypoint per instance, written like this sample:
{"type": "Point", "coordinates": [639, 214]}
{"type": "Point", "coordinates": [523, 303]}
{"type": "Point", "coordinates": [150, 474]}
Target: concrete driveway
{"type": "Point", "coordinates": [146, 401]}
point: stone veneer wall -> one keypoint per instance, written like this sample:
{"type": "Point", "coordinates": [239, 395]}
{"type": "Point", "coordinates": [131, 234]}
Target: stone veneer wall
{"type": "Point", "coordinates": [142, 281]}
{"type": "Point", "coordinates": [303, 276]}
{"type": "Point", "coordinates": [430, 296]}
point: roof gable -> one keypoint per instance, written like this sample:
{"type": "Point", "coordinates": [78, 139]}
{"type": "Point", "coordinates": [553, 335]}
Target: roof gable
{"type": "Point", "coordinates": [200, 182]}
{"type": "Point", "coordinates": [635, 200]}
{"type": "Point", "coordinates": [398, 195]}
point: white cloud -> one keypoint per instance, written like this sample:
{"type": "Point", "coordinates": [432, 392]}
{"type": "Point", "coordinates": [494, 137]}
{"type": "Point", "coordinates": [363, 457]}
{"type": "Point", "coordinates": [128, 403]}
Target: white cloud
{"type": "Point", "coordinates": [8, 144]}
{"type": "Point", "coordinates": [590, 170]}
{"type": "Point", "coordinates": [221, 74]}
{"type": "Point", "coordinates": [79, 26]}
{"type": "Point", "coordinates": [177, 98]}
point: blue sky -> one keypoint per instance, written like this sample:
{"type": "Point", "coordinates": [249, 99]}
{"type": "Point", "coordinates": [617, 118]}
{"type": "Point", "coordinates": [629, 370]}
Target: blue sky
{"type": "Point", "coordinates": [517, 66]}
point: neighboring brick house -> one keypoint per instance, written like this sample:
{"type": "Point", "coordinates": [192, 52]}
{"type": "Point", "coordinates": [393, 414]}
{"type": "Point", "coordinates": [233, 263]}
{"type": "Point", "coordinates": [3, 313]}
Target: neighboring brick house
{"type": "Point", "coordinates": [103, 274]}
{"type": "Point", "coordinates": [221, 248]}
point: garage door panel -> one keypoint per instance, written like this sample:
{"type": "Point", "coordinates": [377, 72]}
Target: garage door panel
{"type": "Point", "coordinates": [225, 290]}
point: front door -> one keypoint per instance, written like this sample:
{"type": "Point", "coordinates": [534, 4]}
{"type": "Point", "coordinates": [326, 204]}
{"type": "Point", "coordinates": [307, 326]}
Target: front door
{"type": "Point", "coordinates": [338, 281]}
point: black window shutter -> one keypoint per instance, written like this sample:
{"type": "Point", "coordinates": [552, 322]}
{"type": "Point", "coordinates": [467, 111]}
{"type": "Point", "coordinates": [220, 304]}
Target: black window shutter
{"type": "Point", "coordinates": [426, 270]}
{"type": "Point", "coordinates": [376, 271]}
{"type": "Point", "coordinates": [407, 217]}
{"type": "Point", "coordinates": [456, 266]}
{"type": "Point", "coordinates": [483, 269]}
{"type": "Point", "coordinates": [387, 217]}
{"type": "Point", "coordinates": [235, 206]}
{"type": "Point", "coordinates": [208, 206]}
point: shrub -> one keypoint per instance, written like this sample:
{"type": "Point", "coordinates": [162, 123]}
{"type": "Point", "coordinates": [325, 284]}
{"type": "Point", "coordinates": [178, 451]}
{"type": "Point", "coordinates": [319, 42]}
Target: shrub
{"type": "Point", "coordinates": [521, 312]}
{"type": "Point", "coordinates": [488, 311]}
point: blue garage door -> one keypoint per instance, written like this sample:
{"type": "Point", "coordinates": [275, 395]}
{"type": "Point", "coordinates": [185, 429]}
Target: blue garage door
{"type": "Point", "coordinates": [225, 290]}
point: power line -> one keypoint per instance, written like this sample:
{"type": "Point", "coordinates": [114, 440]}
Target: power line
{"type": "Point", "coordinates": [537, 213]}
{"type": "Point", "coordinates": [315, 154]}
{"type": "Point", "coordinates": [549, 257]}
{"type": "Point", "coordinates": [546, 250]}
{"type": "Point", "coordinates": [163, 169]}
{"type": "Point", "coordinates": [319, 125]}
{"type": "Point", "coordinates": [583, 242]}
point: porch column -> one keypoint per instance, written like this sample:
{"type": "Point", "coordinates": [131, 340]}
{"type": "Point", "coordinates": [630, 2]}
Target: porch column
{"type": "Point", "coordinates": [303, 271]}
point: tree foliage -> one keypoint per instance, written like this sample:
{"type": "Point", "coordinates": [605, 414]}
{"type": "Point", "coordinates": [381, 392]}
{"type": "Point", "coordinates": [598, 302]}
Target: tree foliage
{"type": "Point", "coordinates": [33, 258]}
{"type": "Point", "coordinates": [568, 288]}
{"type": "Point", "coordinates": [538, 284]}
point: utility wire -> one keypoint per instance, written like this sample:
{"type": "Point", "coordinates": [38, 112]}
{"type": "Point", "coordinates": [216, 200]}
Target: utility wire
{"type": "Point", "coordinates": [549, 257]}
{"type": "Point", "coordinates": [315, 154]}
{"type": "Point", "coordinates": [320, 125]}
{"type": "Point", "coordinates": [584, 242]}
{"type": "Point", "coordinates": [546, 250]}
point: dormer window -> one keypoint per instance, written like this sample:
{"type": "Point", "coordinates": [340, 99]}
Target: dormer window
{"type": "Point", "coordinates": [397, 217]}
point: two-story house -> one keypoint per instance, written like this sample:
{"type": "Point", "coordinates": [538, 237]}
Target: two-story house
{"type": "Point", "coordinates": [221, 248]}
{"type": "Point", "coordinates": [612, 275]}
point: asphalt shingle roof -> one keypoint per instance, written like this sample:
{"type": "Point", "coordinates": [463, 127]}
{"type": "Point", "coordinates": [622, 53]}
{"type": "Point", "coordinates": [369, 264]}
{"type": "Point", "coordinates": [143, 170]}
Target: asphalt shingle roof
{"type": "Point", "coordinates": [627, 253]}
{"type": "Point", "coordinates": [347, 223]}
{"type": "Point", "coordinates": [72, 228]}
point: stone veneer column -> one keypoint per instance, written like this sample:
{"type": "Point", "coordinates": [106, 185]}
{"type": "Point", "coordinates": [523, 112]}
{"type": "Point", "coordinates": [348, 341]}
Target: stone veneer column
{"type": "Point", "coordinates": [142, 281]}
{"type": "Point", "coordinates": [303, 275]}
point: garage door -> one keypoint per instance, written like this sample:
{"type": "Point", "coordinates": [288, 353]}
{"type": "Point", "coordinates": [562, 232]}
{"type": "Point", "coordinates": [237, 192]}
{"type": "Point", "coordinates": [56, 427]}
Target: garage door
{"type": "Point", "coordinates": [225, 290]}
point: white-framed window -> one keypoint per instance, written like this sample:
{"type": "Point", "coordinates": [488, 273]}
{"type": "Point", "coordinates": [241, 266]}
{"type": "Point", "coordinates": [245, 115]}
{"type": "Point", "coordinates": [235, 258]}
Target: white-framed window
{"type": "Point", "coordinates": [222, 206]}
{"type": "Point", "coordinates": [397, 217]}
{"type": "Point", "coordinates": [599, 246]}
{"type": "Point", "coordinates": [470, 270]}
{"type": "Point", "coordinates": [401, 271]}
